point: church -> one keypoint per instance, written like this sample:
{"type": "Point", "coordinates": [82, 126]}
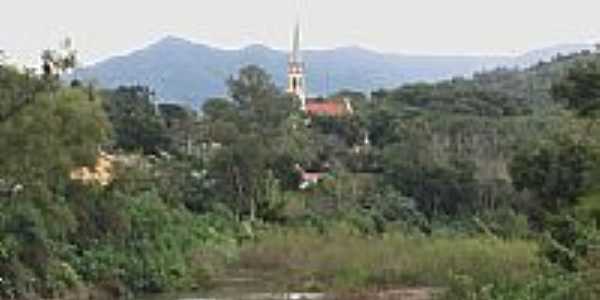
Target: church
{"type": "Point", "coordinates": [334, 107]}
{"type": "Point", "coordinates": [326, 107]}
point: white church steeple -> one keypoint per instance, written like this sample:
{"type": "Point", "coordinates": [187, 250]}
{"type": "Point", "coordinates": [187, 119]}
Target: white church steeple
{"type": "Point", "coordinates": [296, 83]}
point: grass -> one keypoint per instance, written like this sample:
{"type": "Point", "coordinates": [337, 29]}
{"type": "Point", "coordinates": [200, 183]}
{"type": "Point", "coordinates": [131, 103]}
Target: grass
{"type": "Point", "coordinates": [342, 261]}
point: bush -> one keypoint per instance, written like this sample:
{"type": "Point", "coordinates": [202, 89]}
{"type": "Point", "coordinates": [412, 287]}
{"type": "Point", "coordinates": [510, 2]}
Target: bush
{"type": "Point", "coordinates": [154, 253]}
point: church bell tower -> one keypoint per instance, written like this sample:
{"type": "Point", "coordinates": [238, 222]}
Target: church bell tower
{"type": "Point", "coordinates": [296, 83]}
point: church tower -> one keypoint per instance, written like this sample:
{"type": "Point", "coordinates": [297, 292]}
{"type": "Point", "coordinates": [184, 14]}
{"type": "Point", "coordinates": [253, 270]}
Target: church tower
{"type": "Point", "coordinates": [296, 83]}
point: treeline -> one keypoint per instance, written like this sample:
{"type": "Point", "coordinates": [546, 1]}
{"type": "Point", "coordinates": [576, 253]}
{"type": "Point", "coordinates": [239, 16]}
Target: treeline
{"type": "Point", "coordinates": [508, 155]}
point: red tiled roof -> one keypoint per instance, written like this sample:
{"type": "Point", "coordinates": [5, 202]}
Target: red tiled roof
{"type": "Point", "coordinates": [328, 107]}
{"type": "Point", "coordinates": [312, 177]}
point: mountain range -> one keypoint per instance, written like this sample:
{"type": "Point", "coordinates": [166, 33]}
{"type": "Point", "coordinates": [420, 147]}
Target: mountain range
{"type": "Point", "coordinates": [183, 71]}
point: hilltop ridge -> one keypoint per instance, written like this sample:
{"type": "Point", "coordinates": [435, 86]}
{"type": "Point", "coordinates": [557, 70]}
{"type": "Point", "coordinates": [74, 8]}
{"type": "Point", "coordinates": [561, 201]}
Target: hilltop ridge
{"type": "Point", "coordinates": [179, 69]}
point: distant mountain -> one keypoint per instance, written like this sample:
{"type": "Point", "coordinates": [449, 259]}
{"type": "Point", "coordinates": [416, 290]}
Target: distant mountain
{"type": "Point", "coordinates": [180, 70]}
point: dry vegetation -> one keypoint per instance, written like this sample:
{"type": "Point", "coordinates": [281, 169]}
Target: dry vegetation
{"type": "Point", "coordinates": [347, 262]}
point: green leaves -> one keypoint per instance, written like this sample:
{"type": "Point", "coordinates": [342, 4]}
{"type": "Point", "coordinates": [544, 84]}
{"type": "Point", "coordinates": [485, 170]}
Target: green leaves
{"type": "Point", "coordinates": [135, 122]}
{"type": "Point", "coordinates": [254, 130]}
{"type": "Point", "coordinates": [580, 88]}
{"type": "Point", "coordinates": [50, 137]}
{"type": "Point", "coordinates": [251, 85]}
{"type": "Point", "coordinates": [554, 171]}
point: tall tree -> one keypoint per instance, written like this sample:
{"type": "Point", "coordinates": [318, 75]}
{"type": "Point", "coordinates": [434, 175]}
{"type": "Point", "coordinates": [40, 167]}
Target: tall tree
{"type": "Point", "coordinates": [252, 128]}
{"type": "Point", "coordinates": [135, 120]}
{"type": "Point", "coordinates": [251, 84]}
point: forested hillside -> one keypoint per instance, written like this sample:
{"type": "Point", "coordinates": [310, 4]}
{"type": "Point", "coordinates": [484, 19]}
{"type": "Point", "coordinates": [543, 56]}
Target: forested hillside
{"type": "Point", "coordinates": [482, 188]}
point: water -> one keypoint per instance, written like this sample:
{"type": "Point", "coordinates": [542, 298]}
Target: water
{"type": "Point", "coordinates": [252, 289]}
{"type": "Point", "coordinates": [238, 296]}
{"type": "Point", "coordinates": [393, 294]}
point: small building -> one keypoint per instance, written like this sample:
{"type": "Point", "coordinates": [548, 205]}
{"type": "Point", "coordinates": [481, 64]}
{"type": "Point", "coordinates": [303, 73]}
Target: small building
{"type": "Point", "coordinates": [308, 179]}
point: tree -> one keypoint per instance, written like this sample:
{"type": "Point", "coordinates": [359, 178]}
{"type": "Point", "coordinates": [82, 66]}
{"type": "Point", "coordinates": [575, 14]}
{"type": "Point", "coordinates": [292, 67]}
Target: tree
{"type": "Point", "coordinates": [181, 126]}
{"type": "Point", "coordinates": [393, 207]}
{"type": "Point", "coordinates": [56, 131]}
{"type": "Point", "coordinates": [440, 176]}
{"type": "Point", "coordinates": [555, 172]}
{"type": "Point", "coordinates": [219, 109]}
{"type": "Point", "coordinates": [51, 136]}
{"type": "Point", "coordinates": [240, 170]}
{"type": "Point", "coordinates": [135, 121]}
{"type": "Point", "coordinates": [56, 62]}
{"type": "Point", "coordinates": [19, 90]}
{"type": "Point", "coordinates": [580, 88]}
{"type": "Point", "coordinates": [251, 84]}
{"type": "Point", "coordinates": [439, 189]}
{"type": "Point", "coordinates": [253, 129]}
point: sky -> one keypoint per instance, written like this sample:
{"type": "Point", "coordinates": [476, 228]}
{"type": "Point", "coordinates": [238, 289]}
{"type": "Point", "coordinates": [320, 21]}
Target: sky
{"type": "Point", "coordinates": [104, 28]}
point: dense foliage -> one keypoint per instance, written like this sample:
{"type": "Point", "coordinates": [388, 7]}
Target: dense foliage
{"type": "Point", "coordinates": [467, 176]}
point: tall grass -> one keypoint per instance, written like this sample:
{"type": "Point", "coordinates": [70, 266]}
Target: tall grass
{"type": "Point", "coordinates": [341, 260]}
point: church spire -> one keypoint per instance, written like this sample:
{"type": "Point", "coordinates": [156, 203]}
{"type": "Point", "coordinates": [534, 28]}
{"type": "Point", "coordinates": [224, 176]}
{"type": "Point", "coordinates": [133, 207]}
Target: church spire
{"type": "Point", "coordinates": [296, 56]}
{"type": "Point", "coordinates": [296, 83]}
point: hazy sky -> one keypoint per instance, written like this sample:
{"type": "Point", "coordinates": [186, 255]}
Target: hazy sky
{"type": "Point", "coordinates": [102, 28]}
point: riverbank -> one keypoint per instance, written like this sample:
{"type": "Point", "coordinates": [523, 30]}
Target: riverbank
{"type": "Point", "coordinates": [342, 263]}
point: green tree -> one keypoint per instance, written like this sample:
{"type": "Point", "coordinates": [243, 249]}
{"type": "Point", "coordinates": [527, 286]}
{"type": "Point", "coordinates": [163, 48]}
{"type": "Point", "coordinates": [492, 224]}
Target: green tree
{"type": "Point", "coordinates": [56, 131]}
{"type": "Point", "coordinates": [49, 138]}
{"type": "Point", "coordinates": [555, 172]}
{"type": "Point", "coordinates": [580, 87]}
{"type": "Point", "coordinates": [240, 169]}
{"type": "Point", "coordinates": [58, 62]}
{"type": "Point", "coordinates": [219, 109]}
{"type": "Point", "coordinates": [257, 145]}
{"type": "Point", "coordinates": [18, 90]}
{"type": "Point", "coordinates": [135, 121]}
{"type": "Point", "coordinates": [251, 85]}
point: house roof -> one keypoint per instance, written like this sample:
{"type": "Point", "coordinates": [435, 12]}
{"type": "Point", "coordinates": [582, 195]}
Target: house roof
{"type": "Point", "coordinates": [312, 177]}
{"type": "Point", "coordinates": [328, 107]}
